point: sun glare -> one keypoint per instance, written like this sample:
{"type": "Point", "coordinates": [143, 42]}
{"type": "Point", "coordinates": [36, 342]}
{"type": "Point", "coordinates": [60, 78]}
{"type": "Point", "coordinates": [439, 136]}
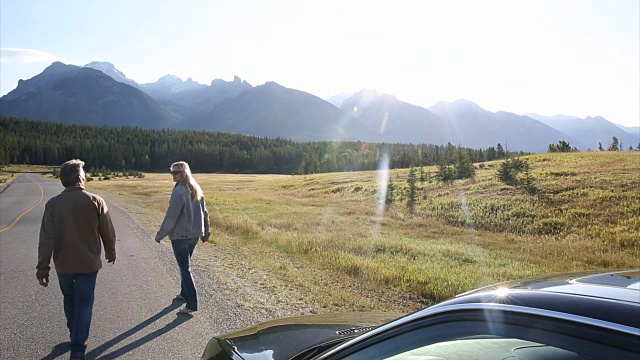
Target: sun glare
{"type": "Point", "coordinates": [384, 123]}
{"type": "Point", "coordinates": [383, 182]}
{"type": "Point", "coordinates": [502, 292]}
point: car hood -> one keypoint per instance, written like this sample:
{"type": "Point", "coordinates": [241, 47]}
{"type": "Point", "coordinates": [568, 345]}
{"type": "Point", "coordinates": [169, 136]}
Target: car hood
{"type": "Point", "coordinates": [288, 337]}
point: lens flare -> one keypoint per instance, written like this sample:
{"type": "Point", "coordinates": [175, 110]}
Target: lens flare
{"type": "Point", "coordinates": [502, 292]}
{"type": "Point", "coordinates": [383, 126]}
{"type": "Point", "coordinates": [383, 182]}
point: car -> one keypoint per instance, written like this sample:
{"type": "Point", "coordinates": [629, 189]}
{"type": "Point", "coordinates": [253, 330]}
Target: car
{"type": "Point", "coordinates": [587, 315]}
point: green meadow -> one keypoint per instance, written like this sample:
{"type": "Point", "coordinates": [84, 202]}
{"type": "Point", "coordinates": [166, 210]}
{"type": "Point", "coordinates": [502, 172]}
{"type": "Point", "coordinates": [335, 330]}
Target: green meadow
{"type": "Point", "coordinates": [329, 240]}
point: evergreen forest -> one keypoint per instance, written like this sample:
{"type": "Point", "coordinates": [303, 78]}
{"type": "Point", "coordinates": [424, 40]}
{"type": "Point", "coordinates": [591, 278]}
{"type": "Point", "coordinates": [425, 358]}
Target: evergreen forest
{"type": "Point", "coordinates": [131, 148]}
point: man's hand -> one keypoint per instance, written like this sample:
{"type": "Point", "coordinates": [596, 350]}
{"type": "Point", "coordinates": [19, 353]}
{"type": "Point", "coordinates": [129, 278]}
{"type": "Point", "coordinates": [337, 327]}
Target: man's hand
{"type": "Point", "coordinates": [205, 238]}
{"type": "Point", "coordinates": [43, 279]}
{"type": "Point", "coordinates": [110, 256]}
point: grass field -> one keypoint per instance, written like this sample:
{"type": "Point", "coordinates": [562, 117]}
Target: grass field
{"type": "Point", "coordinates": [328, 240]}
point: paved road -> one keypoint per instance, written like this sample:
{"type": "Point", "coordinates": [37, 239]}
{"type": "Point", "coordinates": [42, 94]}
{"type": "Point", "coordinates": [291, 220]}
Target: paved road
{"type": "Point", "coordinates": [134, 316]}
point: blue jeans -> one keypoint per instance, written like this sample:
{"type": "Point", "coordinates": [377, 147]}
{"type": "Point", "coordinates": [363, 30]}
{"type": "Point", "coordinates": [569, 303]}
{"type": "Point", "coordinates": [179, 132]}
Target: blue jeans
{"type": "Point", "coordinates": [182, 250]}
{"type": "Point", "coordinates": [78, 292]}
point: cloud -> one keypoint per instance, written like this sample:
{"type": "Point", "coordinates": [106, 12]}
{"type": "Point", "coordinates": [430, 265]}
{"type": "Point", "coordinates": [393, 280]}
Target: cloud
{"type": "Point", "coordinates": [26, 56]}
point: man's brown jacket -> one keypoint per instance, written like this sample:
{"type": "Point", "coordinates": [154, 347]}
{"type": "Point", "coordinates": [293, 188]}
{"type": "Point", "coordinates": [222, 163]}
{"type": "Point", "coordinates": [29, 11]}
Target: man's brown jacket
{"type": "Point", "coordinates": [75, 225]}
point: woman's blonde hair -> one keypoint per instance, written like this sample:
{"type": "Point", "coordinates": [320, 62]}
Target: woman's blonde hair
{"type": "Point", "coordinates": [192, 185]}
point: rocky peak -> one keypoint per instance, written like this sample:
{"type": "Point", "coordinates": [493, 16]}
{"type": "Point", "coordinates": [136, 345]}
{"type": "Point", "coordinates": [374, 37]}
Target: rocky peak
{"type": "Point", "coordinates": [108, 69]}
{"type": "Point", "coordinates": [169, 79]}
{"type": "Point", "coordinates": [52, 73]}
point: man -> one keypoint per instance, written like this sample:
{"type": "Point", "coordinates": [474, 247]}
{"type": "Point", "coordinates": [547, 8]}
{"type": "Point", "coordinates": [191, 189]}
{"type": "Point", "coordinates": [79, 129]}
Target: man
{"type": "Point", "coordinates": [75, 225]}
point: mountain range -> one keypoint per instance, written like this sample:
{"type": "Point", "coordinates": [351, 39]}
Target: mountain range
{"type": "Point", "coordinates": [99, 94]}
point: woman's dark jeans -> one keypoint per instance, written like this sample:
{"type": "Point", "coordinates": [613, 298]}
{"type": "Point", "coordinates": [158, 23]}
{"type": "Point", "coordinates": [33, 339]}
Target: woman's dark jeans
{"type": "Point", "coordinates": [182, 250]}
{"type": "Point", "coordinates": [78, 292]}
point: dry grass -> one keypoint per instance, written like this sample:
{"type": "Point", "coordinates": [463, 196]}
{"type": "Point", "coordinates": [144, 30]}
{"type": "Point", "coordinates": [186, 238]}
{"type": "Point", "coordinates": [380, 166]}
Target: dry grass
{"type": "Point", "coordinates": [326, 240]}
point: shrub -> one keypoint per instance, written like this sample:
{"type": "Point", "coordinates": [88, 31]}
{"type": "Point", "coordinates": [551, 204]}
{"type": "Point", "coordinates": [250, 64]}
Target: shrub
{"type": "Point", "coordinates": [391, 190]}
{"type": "Point", "coordinates": [445, 173]}
{"type": "Point", "coordinates": [516, 172]}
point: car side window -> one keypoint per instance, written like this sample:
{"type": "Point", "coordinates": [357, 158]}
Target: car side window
{"type": "Point", "coordinates": [497, 335]}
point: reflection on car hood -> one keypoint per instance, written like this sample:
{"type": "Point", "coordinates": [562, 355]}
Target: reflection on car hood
{"type": "Point", "coordinates": [285, 338]}
{"type": "Point", "coordinates": [622, 285]}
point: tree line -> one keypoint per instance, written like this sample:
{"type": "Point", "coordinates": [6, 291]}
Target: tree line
{"type": "Point", "coordinates": [563, 146]}
{"type": "Point", "coordinates": [125, 148]}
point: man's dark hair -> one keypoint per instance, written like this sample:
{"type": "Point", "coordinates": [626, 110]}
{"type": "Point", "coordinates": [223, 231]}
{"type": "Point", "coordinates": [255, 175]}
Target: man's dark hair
{"type": "Point", "coordinates": [69, 172]}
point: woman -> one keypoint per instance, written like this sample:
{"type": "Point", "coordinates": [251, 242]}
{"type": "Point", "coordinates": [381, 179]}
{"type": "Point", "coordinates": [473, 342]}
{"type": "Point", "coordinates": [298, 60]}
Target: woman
{"type": "Point", "coordinates": [186, 221]}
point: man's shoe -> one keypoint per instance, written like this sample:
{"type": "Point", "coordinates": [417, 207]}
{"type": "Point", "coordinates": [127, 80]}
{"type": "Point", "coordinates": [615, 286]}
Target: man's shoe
{"type": "Point", "coordinates": [74, 357]}
{"type": "Point", "coordinates": [179, 298]}
{"type": "Point", "coordinates": [185, 310]}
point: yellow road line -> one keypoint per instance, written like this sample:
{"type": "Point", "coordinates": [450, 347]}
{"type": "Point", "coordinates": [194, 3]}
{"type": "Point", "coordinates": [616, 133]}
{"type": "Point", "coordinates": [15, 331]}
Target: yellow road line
{"type": "Point", "coordinates": [29, 209]}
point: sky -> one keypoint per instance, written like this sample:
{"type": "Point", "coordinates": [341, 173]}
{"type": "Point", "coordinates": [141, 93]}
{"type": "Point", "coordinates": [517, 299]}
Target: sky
{"type": "Point", "coordinates": [573, 57]}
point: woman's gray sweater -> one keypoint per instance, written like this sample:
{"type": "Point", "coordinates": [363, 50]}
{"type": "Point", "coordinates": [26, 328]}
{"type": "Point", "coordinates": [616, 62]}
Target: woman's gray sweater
{"type": "Point", "coordinates": [185, 218]}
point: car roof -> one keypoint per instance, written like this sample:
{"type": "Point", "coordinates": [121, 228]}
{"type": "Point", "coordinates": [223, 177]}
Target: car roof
{"type": "Point", "coordinates": [622, 285]}
{"type": "Point", "coordinates": [605, 299]}
{"type": "Point", "coordinates": [612, 296]}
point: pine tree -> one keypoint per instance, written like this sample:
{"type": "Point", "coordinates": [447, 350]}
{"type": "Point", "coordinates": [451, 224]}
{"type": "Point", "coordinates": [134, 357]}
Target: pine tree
{"type": "Point", "coordinates": [500, 154]}
{"type": "Point", "coordinates": [490, 154]}
{"type": "Point", "coordinates": [445, 173]}
{"type": "Point", "coordinates": [528, 181]}
{"type": "Point", "coordinates": [390, 197]}
{"type": "Point", "coordinates": [463, 167]}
